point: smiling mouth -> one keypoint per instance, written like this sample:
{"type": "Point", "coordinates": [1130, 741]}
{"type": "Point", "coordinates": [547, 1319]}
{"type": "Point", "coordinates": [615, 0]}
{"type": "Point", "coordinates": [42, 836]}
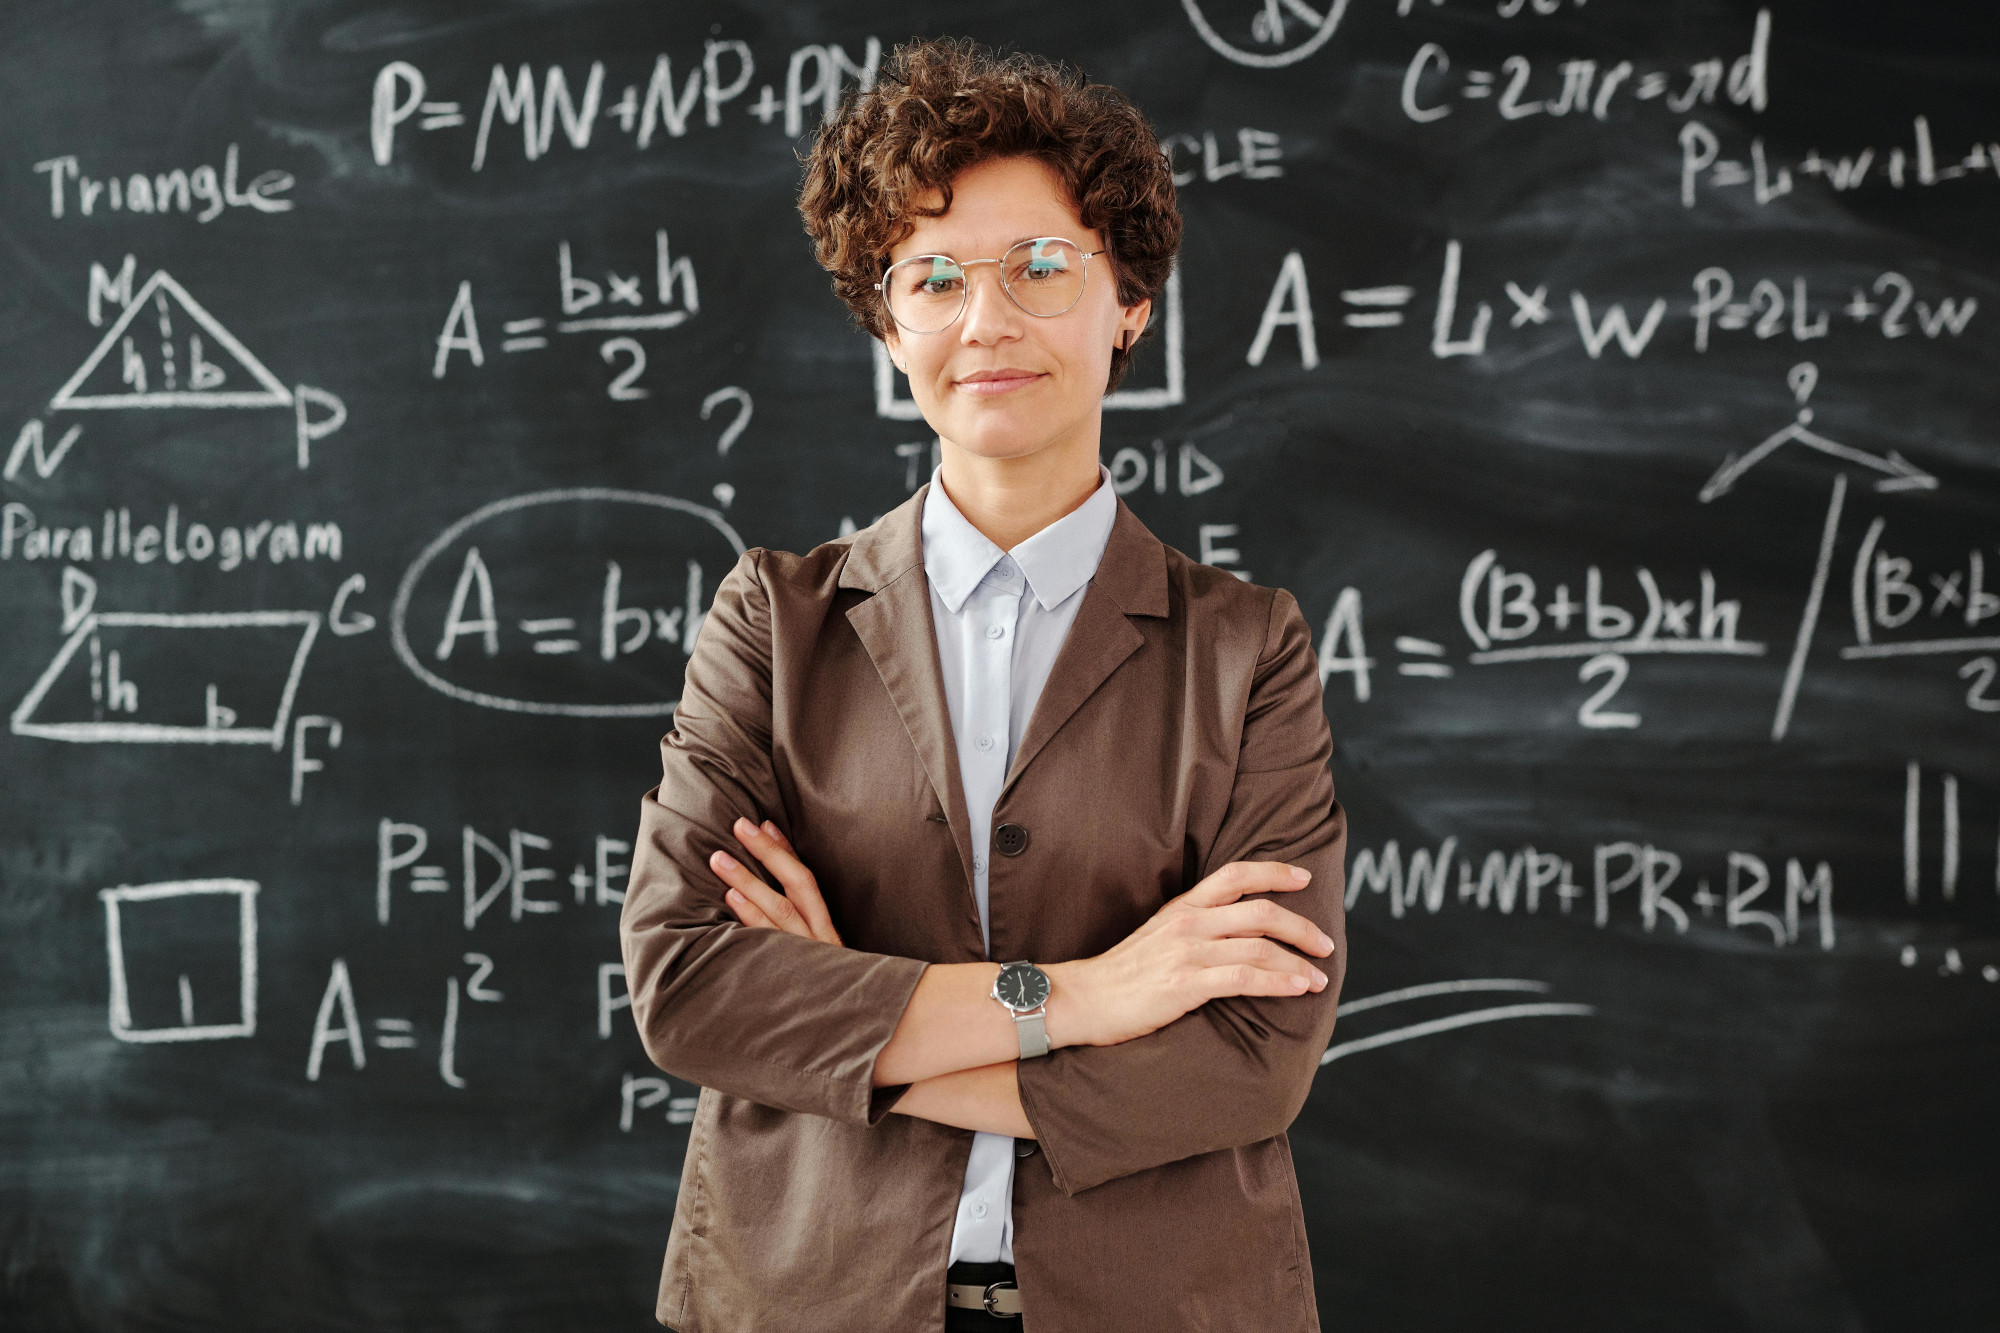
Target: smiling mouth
{"type": "Point", "coordinates": [989, 387]}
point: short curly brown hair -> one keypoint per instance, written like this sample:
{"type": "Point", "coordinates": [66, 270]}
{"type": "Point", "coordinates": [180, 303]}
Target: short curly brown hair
{"type": "Point", "coordinates": [941, 105]}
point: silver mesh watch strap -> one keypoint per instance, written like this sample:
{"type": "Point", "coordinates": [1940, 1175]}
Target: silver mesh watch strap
{"type": "Point", "coordinates": [1034, 1034]}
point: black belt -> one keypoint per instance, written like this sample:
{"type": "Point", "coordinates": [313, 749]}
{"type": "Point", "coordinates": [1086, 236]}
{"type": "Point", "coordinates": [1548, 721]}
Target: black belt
{"type": "Point", "coordinates": [987, 1287]}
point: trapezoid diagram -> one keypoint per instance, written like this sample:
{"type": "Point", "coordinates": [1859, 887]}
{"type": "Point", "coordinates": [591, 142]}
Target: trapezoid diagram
{"type": "Point", "coordinates": [204, 678]}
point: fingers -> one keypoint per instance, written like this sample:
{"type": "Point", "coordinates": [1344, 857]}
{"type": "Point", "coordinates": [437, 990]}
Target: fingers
{"type": "Point", "coordinates": [748, 912]}
{"type": "Point", "coordinates": [800, 909]}
{"type": "Point", "coordinates": [773, 907]}
{"type": "Point", "coordinates": [1221, 955]}
{"type": "Point", "coordinates": [1247, 979]}
{"type": "Point", "coordinates": [776, 856]}
{"type": "Point", "coordinates": [1265, 917]}
{"type": "Point", "coordinates": [774, 850]}
{"type": "Point", "coordinates": [1240, 878]}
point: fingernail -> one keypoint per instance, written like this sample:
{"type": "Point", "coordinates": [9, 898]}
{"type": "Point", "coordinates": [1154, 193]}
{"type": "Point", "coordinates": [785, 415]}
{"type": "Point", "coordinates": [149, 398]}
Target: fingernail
{"type": "Point", "coordinates": [723, 861]}
{"type": "Point", "coordinates": [744, 826]}
{"type": "Point", "coordinates": [1301, 874]}
{"type": "Point", "coordinates": [770, 828]}
{"type": "Point", "coordinates": [733, 896]}
{"type": "Point", "coordinates": [1319, 976]}
{"type": "Point", "coordinates": [1326, 941]}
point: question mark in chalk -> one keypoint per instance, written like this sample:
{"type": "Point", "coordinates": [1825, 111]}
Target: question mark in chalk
{"type": "Point", "coordinates": [724, 492]}
{"type": "Point", "coordinates": [1803, 377]}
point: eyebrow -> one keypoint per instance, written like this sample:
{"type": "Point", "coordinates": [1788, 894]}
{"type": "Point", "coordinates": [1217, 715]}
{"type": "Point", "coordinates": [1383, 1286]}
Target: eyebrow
{"type": "Point", "coordinates": [1031, 236]}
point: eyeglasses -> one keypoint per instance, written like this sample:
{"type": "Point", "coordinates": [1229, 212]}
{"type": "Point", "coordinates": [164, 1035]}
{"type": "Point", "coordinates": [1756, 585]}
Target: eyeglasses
{"type": "Point", "coordinates": [1043, 276]}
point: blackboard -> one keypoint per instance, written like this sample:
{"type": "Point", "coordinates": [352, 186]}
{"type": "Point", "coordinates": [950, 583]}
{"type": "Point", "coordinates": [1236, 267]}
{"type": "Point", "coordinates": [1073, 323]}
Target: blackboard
{"type": "Point", "coordinates": [386, 386]}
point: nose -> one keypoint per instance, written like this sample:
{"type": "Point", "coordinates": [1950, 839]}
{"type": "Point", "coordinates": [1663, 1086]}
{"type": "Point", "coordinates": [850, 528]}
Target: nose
{"type": "Point", "coordinates": [990, 314]}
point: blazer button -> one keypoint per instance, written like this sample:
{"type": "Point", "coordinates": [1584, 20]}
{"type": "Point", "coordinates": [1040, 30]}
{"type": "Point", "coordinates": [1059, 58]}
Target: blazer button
{"type": "Point", "coordinates": [1010, 840]}
{"type": "Point", "coordinates": [1024, 1147]}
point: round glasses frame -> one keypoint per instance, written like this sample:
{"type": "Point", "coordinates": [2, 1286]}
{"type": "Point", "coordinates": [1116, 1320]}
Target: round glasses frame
{"type": "Point", "coordinates": [882, 287]}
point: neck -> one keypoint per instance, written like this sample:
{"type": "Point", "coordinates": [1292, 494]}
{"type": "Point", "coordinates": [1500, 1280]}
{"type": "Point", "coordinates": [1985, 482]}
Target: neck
{"type": "Point", "coordinates": [1011, 499]}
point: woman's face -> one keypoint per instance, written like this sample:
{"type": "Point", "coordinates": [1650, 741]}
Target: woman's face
{"type": "Point", "coordinates": [1053, 369]}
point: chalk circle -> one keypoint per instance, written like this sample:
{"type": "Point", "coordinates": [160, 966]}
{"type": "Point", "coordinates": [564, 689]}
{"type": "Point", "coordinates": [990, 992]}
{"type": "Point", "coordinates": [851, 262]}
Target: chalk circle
{"type": "Point", "coordinates": [598, 495]}
{"type": "Point", "coordinates": [1257, 59]}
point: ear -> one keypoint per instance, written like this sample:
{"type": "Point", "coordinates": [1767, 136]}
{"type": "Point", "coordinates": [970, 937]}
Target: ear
{"type": "Point", "coordinates": [1132, 323]}
{"type": "Point", "coordinates": [895, 346]}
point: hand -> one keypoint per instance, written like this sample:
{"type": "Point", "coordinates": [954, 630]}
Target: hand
{"type": "Point", "coordinates": [799, 909]}
{"type": "Point", "coordinates": [1200, 945]}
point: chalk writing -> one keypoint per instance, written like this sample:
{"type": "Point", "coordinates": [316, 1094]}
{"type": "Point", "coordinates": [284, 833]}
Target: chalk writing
{"type": "Point", "coordinates": [175, 539]}
{"type": "Point", "coordinates": [199, 192]}
{"type": "Point", "coordinates": [1432, 87]}
{"type": "Point", "coordinates": [1704, 168]}
{"type": "Point", "coordinates": [1264, 34]}
{"type": "Point", "coordinates": [575, 103]}
{"type": "Point", "coordinates": [1451, 1023]}
{"type": "Point", "coordinates": [1527, 879]}
{"type": "Point", "coordinates": [226, 909]}
{"type": "Point", "coordinates": [674, 288]}
{"type": "Point", "coordinates": [596, 616]}
{"type": "Point", "coordinates": [400, 848]}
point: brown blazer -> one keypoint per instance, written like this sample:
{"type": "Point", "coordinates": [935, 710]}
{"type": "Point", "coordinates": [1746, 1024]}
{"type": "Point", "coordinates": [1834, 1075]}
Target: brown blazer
{"type": "Point", "coordinates": [1181, 728]}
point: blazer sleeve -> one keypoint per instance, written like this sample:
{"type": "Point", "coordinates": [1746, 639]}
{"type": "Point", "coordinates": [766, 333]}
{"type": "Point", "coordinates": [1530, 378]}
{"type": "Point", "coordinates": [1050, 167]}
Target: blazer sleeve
{"type": "Point", "coordinates": [773, 1017]}
{"type": "Point", "coordinates": [1237, 1069]}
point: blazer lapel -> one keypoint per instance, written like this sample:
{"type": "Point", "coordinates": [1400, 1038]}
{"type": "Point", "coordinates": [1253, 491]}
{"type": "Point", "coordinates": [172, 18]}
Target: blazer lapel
{"type": "Point", "coordinates": [894, 624]}
{"type": "Point", "coordinates": [1131, 580]}
{"type": "Point", "coordinates": [896, 629]}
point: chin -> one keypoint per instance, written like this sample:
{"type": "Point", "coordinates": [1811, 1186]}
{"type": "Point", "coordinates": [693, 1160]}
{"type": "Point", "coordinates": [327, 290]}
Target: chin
{"type": "Point", "coordinates": [1000, 439]}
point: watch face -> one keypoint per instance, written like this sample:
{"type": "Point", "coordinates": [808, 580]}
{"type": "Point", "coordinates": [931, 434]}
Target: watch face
{"type": "Point", "coordinates": [1022, 986]}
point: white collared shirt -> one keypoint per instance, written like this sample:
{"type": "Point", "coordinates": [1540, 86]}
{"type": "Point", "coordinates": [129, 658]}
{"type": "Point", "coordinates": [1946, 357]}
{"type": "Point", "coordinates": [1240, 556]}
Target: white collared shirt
{"type": "Point", "coordinates": [1001, 619]}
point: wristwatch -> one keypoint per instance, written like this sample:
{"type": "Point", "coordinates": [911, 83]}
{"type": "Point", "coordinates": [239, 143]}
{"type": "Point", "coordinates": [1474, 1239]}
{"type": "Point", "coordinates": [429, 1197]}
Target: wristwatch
{"type": "Point", "coordinates": [1023, 990]}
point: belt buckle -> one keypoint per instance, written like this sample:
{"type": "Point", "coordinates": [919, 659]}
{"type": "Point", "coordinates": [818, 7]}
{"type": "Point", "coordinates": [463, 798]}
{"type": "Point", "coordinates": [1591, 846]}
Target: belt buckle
{"type": "Point", "coordinates": [987, 1299]}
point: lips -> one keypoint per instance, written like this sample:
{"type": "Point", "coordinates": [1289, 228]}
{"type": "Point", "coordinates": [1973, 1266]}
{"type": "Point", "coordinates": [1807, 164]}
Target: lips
{"type": "Point", "coordinates": [987, 383]}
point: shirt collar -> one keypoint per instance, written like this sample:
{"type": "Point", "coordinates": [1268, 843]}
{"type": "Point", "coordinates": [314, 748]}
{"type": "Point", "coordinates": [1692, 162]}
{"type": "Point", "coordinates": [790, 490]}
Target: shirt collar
{"type": "Point", "coordinates": [1057, 561]}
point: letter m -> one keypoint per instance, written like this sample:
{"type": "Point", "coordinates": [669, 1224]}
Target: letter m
{"type": "Point", "coordinates": [1371, 872]}
{"type": "Point", "coordinates": [1800, 891]}
{"type": "Point", "coordinates": [515, 107]}
{"type": "Point", "coordinates": [323, 539]}
{"type": "Point", "coordinates": [103, 285]}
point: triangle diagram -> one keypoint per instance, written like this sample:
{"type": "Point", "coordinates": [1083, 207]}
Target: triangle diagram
{"type": "Point", "coordinates": [166, 351]}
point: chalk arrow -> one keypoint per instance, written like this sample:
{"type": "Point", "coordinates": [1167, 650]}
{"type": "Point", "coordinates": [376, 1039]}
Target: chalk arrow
{"type": "Point", "coordinates": [1900, 474]}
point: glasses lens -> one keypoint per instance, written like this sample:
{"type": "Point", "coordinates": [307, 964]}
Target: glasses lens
{"type": "Point", "coordinates": [924, 292]}
{"type": "Point", "coordinates": [1045, 275]}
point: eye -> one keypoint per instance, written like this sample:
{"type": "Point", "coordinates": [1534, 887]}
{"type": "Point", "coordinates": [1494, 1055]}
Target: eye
{"type": "Point", "coordinates": [938, 277]}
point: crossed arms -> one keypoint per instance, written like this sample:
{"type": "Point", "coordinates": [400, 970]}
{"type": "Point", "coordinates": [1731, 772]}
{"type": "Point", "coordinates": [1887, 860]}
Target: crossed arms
{"type": "Point", "coordinates": [951, 1045]}
{"type": "Point", "coordinates": [1187, 1037]}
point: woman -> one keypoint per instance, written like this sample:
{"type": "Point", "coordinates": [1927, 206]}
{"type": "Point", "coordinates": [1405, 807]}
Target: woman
{"type": "Point", "coordinates": [1028, 783]}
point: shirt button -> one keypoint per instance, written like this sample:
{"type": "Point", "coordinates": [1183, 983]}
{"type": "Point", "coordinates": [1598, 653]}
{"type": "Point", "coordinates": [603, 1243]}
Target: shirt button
{"type": "Point", "coordinates": [979, 1208]}
{"type": "Point", "coordinates": [994, 631]}
{"type": "Point", "coordinates": [1024, 1147]}
{"type": "Point", "coordinates": [984, 742]}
